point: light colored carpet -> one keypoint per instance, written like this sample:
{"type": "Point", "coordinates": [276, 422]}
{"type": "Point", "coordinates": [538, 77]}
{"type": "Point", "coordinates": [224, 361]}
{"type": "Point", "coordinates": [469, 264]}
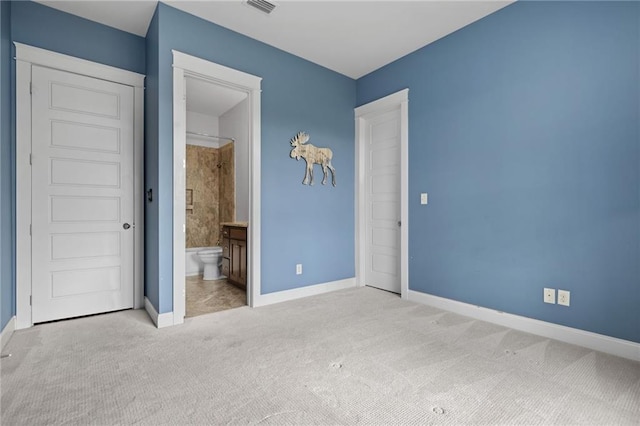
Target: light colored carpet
{"type": "Point", "coordinates": [206, 297]}
{"type": "Point", "coordinates": [359, 356]}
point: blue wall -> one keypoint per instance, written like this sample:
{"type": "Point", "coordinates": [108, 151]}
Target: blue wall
{"type": "Point", "coordinates": [524, 131]}
{"type": "Point", "coordinates": [40, 26]}
{"type": "Point", "coordinates": [309, 225]}
{"type": "Point", "coordinates": [51, 29]}
{"type": "Point", "coordinates": [7, 299]}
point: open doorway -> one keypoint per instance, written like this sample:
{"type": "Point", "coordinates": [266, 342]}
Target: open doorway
{"type": "Point", "coordinates": [216, 196]}
{"type": "Point", "coordinates": [216, 183]}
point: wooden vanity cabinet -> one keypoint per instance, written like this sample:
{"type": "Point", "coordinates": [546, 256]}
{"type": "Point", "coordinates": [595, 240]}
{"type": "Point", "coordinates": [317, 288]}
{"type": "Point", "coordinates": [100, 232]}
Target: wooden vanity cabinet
{"type": "Point", "coordinates": [234, 255]}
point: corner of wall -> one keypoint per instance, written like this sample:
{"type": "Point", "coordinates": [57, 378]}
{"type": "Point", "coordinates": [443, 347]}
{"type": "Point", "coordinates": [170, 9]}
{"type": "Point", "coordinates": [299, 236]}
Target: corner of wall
{"type": "Point", "coordinates": [159, 320]}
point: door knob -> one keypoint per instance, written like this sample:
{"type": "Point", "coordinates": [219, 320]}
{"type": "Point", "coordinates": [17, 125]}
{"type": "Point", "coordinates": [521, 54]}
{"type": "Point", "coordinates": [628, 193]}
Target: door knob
{"type": "Point", "coordinates": [126, 226]}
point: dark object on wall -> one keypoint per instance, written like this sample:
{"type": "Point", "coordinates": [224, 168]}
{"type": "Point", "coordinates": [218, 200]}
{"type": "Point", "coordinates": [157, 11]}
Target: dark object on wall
{"type": "Point", "coordinates": [189, 200]}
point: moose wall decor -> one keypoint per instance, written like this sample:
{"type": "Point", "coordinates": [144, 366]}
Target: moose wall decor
{"type": "Point", "coordinates": [312, 155]}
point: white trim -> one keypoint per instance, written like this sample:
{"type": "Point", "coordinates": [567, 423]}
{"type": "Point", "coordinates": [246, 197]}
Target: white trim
{"type": "Point", "coordinates": [404, 195]}
{"type": "Point", "coordinates": [160, 320]}
{"type": "Point", "coordinates": [7, 332]}
{"type": "Point", "coordinates": [298, 293]}
{"type": "Point", "coordinates": [179, 197]}
{"type": "Point", "coordinates": [362, 114]}
{"type": "Point", "coordinates": [359, 202]}
{"type": "Point", "coordinates": [253, 271]}
{"type": "Point", "coordinates": [23, 195]}
{"type": "Point", "coordinates": [26, 56]}
{"type": "Point", "coordinates": [138, 196]}
{"type": "Point", "coordinates": [191, 66]}
{"type": "Point", "coordinates": [587, 339]}
{"type": "Point", "coordinates": [389, 102]}
{"type": "Point", "coordinates": [212, 71]}
{"type": "Point", "coordinates": [38, 56]}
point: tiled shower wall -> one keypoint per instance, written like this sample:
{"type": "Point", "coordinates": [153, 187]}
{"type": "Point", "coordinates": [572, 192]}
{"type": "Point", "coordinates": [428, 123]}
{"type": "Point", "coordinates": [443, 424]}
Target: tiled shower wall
{"type": "Point", "coordinates": [213, 193]}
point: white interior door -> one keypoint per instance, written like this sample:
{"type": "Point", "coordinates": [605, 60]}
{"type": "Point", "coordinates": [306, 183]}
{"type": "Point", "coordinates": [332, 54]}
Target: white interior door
{"type": "Point", "coordinates": [382, 201]}
{"type": "Point", "coordinates": [82, 195]}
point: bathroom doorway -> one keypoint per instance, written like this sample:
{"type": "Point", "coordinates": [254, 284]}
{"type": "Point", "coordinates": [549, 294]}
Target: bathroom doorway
{"type": "Point", "coordinates": [216, 187]}
{"type": "Point", "coordinates": [216, 193]}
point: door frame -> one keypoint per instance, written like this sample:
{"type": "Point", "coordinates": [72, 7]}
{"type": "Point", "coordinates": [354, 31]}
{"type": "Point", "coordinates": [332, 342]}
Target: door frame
{"type": "Point", "coordinates": [186, 65]}
{"type": "Point", "coordinates": [398, 100]}
{"type": "Point", "coordinates": [26, 57]}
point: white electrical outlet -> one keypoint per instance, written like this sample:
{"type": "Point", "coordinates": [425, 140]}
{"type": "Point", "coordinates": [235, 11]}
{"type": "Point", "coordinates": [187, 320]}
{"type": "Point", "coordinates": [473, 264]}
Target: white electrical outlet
{"type": "Point", "coordinates": [549, 295]}
{"type": "Point", "coordinates": [424, 198]}
{"type": "Point", "coordinates": [299, 269]}
{"type": "Point", "coordinates": [564, 297]}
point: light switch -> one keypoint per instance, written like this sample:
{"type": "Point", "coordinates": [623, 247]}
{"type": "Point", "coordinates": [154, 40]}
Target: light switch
{"type": "Point", "coordinates": [424, 198]}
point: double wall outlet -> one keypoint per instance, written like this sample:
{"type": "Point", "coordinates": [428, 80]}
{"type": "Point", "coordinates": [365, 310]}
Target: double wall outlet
{"type": "Point", "coordinates": [299, 269]}
{"type": "Point", "coordinates": [564, 296]}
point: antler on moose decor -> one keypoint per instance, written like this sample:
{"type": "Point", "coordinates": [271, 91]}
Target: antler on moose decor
{"type": "Point", "coordinates": [312, 155]}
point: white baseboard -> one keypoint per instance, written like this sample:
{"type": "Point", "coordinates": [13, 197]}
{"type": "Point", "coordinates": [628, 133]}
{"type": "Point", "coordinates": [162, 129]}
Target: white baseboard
{"type": "Point", "coordinates": [160, 320]}
{"type": "Point", "coordinates": [587, 339]}
{"type": "Point", "coordinates": [7, 332]}
{"type": "Point", "coordinates": [298, 293]}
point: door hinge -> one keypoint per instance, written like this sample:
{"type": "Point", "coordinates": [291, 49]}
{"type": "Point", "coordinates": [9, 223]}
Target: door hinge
{"type": "Point", "coordinates": [30, 225]}
{"type": "Point", "coordinates": [30, 88]}
{"type": "Point", "coordinates": [30, 159]}
{"type": "Point", "coordinates": [184, 163]}
{"type": "Point", "coordinates": [30, 300]}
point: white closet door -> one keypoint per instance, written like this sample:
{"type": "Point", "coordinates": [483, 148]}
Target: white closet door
{"type": "Point", "coordinates": [382, 198]}
{"type": "Point", "coordinates": [82, 176]}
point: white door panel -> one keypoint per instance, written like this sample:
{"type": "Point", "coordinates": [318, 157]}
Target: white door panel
{"type": "Point", "coordinates": [382, 199]}
{"type": "Point", "coordinates": [85, 137]}
{"type": "Point", "coordinates": [85, 209]}
{"type": "Point", "coordinates": [84, 99]}
{"type": "Point", "coordinates": [85, 245]}
{"type": "Point", "coordinates": [71, 172]}
{"type": "Point", "coordinates": [82, 177]}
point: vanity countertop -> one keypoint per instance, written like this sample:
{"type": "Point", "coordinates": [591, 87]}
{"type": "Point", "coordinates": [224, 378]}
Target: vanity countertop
{"type": "Point", "coordinates": [238, 224]}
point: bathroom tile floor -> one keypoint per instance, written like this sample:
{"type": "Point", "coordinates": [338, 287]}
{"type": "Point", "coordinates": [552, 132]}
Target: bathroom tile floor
{"type": "Point", "coordinates": [205, 297]}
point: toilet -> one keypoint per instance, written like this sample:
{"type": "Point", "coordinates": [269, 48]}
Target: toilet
{"type": "Point", "coordinates": [212, 260]}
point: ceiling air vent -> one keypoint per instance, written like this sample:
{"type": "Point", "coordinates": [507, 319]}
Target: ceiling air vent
{"type": "Point", "coordinates": [262, 5]}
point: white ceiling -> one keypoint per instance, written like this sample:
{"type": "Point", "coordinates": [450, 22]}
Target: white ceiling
{"type": "Point", "coordinates": [130, 16]}
{"type": "Point", "coordinates": [211, 99]}
{"type": "Point", "coordinates": [350, 37]}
